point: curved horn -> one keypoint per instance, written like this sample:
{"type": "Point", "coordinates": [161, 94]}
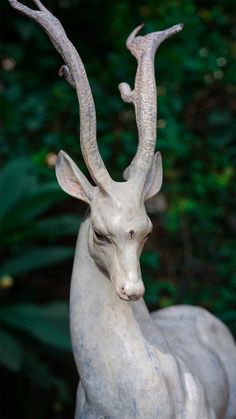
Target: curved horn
{"type": "Point", "coordinates": [144, 97]}
{"type": "Point", "coordinates": [75, 74]}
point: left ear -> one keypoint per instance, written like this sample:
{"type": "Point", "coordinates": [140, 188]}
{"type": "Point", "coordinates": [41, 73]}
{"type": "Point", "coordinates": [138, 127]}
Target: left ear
{"type": "Point", "coordinates": [154, 178]}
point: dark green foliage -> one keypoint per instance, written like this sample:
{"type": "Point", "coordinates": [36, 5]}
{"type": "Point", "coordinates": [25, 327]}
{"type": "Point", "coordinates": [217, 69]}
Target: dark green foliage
{"type": "Point", "coordinates": [190, 257]}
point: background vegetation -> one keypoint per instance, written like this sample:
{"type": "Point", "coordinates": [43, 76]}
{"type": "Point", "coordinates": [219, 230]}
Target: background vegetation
{"type": "Point", "coordinates": [190, 257]}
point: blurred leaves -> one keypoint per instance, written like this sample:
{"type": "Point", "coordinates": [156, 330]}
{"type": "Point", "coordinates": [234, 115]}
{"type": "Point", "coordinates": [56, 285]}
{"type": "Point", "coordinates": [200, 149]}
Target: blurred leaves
{"type": "Point", "coordinates": [24, 200]}
{"type": "Point", "coordinates": [11, 352]}
{"type": "Point", "coordinates": [27, 234]}
{"type": "Point", "coordinates": [36, 258]}
{"type": "Point", "coordinates": [48, 324]}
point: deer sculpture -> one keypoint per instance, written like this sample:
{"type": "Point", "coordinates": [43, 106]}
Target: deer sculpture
{"type": "Point", "coordinates": [176, 363]}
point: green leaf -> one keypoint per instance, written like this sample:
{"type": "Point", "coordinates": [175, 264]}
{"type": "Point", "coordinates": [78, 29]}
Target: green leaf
{"type": "Point", "coordinates": [48, 228]}
{"type": "Point", "coordinates": [34, 203]}
{"type": "Point", "coordinates": [11, 353]}
{"type": "Point", "coordinates": [15, 181]}
{"type": "Point", "coordinates": [228, 316]}
{"type": "Point", "coordinates": [150, 259]}
{"type": "Point", "coordinates": [36, 258]}
{"type": "Point", "coordinates": [49, 324]}
{"type": "Point", "coordinates": [39, 373]}
{"type": "Point", "coordinates": [59, 226]}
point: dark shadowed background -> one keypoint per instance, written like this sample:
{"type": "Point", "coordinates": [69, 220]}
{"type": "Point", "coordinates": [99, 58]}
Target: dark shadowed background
{"type": "Point", "coordinates": [190, 257]}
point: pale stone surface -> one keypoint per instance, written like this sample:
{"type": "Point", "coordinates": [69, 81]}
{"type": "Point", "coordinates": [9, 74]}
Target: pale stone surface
{"type": "Point", "coordinates": [178, 363]}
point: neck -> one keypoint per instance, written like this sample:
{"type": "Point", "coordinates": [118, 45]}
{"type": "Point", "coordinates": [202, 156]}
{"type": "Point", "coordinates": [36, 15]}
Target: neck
{"type": "Point", "coordinates": [113, 340]}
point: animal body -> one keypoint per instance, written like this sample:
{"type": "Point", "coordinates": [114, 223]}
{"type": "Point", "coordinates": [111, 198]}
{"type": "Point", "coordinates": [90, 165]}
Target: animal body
{"type": "Point", "coordinates": [178, 362]}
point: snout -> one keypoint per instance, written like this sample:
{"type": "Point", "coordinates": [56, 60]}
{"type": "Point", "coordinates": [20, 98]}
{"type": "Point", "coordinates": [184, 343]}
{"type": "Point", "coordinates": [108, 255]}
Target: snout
{"type": "Point", "coordinates": [131, 291]}
{"type": "Point", "coordinates": [125, 273]}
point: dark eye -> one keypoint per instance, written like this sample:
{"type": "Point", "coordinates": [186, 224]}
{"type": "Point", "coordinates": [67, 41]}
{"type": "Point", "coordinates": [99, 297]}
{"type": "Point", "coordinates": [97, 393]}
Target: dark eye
{"type": "Point", "coordinates": [101, 237]}
{"type": "Point", "coordinates": [147, 235]}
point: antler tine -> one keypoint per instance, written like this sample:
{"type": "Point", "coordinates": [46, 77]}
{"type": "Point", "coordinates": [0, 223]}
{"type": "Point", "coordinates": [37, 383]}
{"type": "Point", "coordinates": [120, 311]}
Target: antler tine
{"type": "Point", "coordinates": [40, 5]}
{"type": "Point", "coordinates": [22, 8]}
{"type": "Point", "coordinates": [144, 98]}
{"type": "Point", "coordinates": [75, 74]}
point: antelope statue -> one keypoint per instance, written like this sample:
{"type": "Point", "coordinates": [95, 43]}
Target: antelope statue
{"type": "Point", "coordinates": [177, 363]}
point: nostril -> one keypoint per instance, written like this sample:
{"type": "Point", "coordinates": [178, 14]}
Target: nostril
{"type": "Point", "coordinates": [132, 290]}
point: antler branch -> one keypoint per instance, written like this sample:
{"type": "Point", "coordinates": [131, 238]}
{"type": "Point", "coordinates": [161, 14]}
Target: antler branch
{"type": "Point", "coordinates": [75, 74]}
{"type": "Point", "coordinates": [144, 96]}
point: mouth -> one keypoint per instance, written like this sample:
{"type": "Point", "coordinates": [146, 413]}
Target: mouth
{"type": "Point", "coordinates": [121, 294]}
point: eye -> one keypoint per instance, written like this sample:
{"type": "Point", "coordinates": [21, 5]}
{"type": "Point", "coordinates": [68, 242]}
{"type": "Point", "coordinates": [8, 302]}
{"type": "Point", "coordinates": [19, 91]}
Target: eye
{"type": "Point", "coordinates": [147, 235]}
{"type": "Point", "coordinates": [101, 237]}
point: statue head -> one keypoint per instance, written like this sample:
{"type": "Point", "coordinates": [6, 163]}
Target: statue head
{"type": "Point", "coordinates": [118, 224]}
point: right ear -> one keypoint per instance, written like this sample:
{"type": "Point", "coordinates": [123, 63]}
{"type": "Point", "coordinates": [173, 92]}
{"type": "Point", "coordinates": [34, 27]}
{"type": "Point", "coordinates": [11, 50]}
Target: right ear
{"type": "Point", "coordinates": [71, 179]}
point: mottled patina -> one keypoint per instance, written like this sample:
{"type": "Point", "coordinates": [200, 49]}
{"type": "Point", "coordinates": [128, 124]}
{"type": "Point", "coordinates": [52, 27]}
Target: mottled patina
{"type": "Point", "coordinates": [178, 362]}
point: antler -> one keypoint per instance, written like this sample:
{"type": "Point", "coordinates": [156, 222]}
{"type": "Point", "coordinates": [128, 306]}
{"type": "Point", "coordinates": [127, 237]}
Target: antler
{"type": "Point", "coordinates": [144, 98]}
{"type": "Point", "coordinates": [75, 74]}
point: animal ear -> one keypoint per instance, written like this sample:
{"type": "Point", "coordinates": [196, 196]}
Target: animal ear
{"type": "Point", "coordinates": [71, 179]}
{"type": "Point", "coordinates": [154, 178]}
